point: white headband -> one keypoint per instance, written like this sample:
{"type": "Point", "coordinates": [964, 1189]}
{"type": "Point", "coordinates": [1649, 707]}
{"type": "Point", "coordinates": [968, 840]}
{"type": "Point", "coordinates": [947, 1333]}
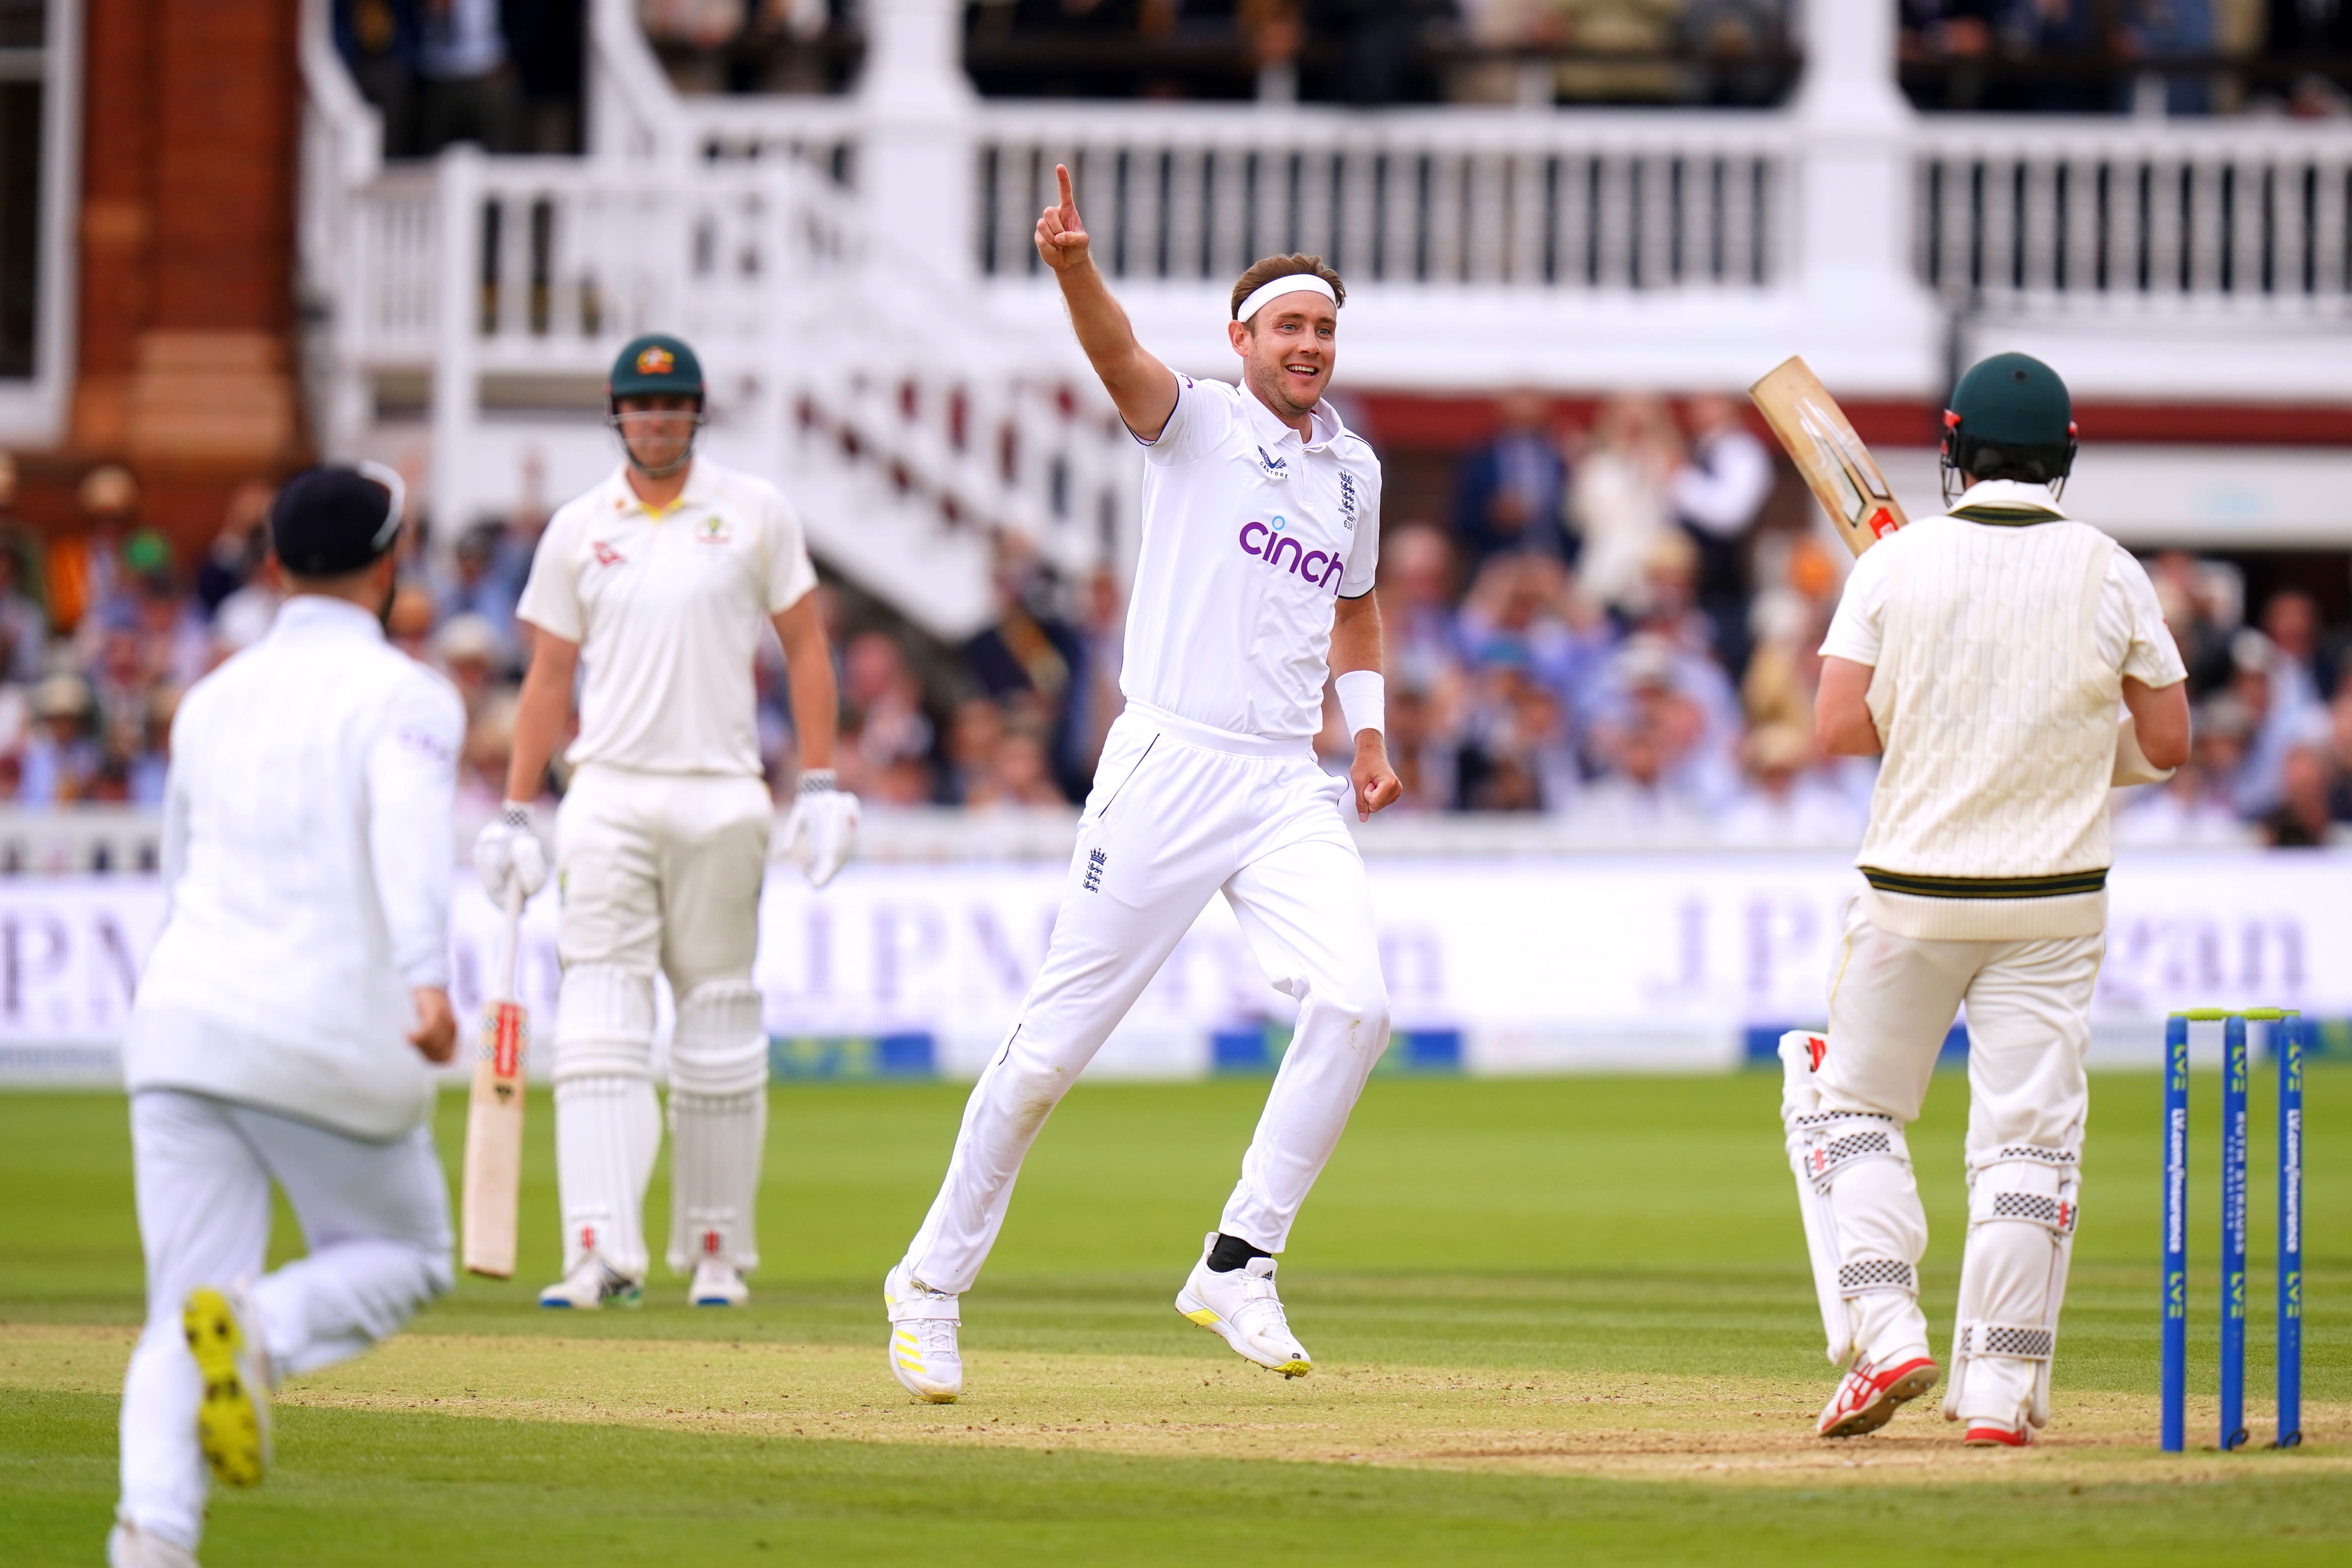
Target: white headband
{"type": "Point", "coordinates": [1294, 283]}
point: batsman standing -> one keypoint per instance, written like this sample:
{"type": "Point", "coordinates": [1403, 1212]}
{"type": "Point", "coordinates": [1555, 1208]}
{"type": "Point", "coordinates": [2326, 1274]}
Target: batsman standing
{"type": "Point", "coordinates": [652, 590]}
{"type": "Point", "coordinates": [285, 1019]}
{"type": "Point", "coordinates": [1261, 533]}
{"type": "Point", "coordinates": [1985, 653]}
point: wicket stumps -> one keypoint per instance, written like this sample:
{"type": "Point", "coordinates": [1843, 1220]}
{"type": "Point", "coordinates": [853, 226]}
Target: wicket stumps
{"type": "Point", "coordinates": [2286, 1048]}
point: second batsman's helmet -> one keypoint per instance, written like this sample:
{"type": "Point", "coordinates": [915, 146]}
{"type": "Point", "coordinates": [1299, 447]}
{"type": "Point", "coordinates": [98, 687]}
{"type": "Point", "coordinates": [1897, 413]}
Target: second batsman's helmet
{"type": "Point", "coordinates": [2009, 418]}
{"type": "Point", "coordinates": [654, 364]}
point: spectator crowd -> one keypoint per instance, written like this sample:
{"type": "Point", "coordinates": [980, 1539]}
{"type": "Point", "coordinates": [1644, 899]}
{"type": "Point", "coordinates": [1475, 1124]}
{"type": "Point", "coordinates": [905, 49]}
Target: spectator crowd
{"type": "Point", "coordinates": [1614, 631]}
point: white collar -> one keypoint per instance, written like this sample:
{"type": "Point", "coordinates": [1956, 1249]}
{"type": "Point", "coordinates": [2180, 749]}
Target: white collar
{"type": "Point", "coordinates": [2008, 493]}
{"type": "Point", "coordinates": [625, 498]}
{"type": "Point", "coordinates": [318, 613]}
{"type": "Point", "coordinates": [1322, 422]}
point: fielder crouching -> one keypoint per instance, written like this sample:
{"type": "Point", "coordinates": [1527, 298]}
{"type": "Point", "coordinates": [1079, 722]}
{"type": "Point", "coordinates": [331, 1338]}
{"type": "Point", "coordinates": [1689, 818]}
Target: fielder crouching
{"type": "Point", "coordinates": [1990, 654]}
{"type": "Point", "coordinates": [286, 1018]}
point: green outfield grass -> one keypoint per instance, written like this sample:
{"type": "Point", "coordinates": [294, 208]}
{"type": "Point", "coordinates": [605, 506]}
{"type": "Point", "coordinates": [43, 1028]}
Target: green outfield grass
{"type": "Point", "coordinates": [1556, 1319]}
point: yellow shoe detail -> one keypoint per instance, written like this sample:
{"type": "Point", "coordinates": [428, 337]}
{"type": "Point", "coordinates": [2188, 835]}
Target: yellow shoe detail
{"type": "Point", "coordinates": [1295, 1368]}
{"type": "Point", "coordinates": [1205, 1317]}
{"type": "Point", "coordinates": [228, 1419]}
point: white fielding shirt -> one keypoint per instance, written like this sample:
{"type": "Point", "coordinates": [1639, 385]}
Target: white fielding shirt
{"type": "Point", "coordinates": [307, 859]}
{"type": "Point", "coordinates": [668, 608]}
{"type": "Point", "coordinates": [1249, 534]}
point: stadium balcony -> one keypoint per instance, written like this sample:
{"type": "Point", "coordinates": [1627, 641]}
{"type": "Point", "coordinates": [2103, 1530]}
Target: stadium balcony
{"type": "Point", "coordinates": [857, 267]}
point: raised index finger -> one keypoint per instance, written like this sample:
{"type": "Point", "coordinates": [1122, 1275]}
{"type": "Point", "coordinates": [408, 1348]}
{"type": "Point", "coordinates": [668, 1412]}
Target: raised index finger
{"type": "Point", "coordinates": [1069, 202]}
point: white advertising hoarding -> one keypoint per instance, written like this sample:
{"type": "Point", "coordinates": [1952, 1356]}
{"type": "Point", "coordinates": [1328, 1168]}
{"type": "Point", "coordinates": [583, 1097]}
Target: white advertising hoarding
{"type": "Point", "coordinates": [1622, 962]}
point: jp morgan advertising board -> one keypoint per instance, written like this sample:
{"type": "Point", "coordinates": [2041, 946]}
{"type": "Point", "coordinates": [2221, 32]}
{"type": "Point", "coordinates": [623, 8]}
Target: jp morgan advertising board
{"type": "Point", "coordinates": [1612, 962]}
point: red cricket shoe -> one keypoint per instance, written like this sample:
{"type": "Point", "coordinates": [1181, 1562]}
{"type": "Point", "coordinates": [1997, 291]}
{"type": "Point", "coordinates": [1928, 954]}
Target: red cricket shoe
{"type": "Point", "coordinates": [1986, 1436]}
{"type": "Point", "coordinates": [1869, 1394]}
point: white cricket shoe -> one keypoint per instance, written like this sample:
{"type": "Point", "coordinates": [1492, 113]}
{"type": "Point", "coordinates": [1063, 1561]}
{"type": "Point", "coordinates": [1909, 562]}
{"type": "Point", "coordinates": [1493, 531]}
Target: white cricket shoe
{"type": "Point", "coordinates": [716, 1283]}
{"type": "Point", "coordinates": [127, 1546]}
{"type": "Point", "coordinates": [1870, 1392]}
{"type": "Point", "coordinates": [233, 1413]}
{"type": "Point", "coordinates": [1240, 1307]}
{"type": "Point", "coordinates": [923, 1354]}
{"type": "Point", "coordinates": [592, 1285]}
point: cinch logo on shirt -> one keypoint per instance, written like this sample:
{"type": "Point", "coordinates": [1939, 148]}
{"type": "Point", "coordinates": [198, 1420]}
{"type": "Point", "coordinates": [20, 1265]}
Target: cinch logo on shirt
{"type": "Point", "coordinates": [1265, 540]}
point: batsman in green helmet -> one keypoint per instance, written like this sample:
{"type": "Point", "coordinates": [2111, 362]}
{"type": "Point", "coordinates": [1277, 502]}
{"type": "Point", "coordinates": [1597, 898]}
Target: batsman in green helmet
{"type": "Point", "coordinates": [1986, 656]}
{"type": "Point", "coordinates": [650, 597]}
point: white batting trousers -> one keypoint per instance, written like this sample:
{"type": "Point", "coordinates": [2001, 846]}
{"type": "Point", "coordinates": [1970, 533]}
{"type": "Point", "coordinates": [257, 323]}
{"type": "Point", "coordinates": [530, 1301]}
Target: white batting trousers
{"type": "Point", "coordinates": [375, 1217]}
{"type": "Point", "coordinates": [660, 873]}
{"type": "Point", "coordinates": [1891, 1002]}
{"type": "Point", "coordinates": [1179, 812]}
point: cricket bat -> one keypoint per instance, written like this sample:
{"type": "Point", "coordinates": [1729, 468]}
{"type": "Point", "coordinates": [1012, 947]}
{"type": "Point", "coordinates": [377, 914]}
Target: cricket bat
{"type": "Point", "coordinates": [493, 1194]}
{"type": "Point", "coordinates": [1819, 439]}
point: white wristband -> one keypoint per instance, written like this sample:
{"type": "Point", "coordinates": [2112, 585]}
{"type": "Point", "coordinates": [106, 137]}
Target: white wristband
{"type": "Point", "coordinates": [1363, 701]}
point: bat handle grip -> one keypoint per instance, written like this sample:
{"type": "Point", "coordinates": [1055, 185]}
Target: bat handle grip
{"type": "Point", "coordinates": [509, 939]}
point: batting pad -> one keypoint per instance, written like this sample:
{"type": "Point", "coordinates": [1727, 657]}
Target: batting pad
{"type": "Point", "coordinates": [715, 1147]}
{"type": "Point", "coordinates": [2023, 1210]}
{"type": "Point", "coordinates": [720, 1045]}
{"type": "Point", "coordinates": [607, 1132]}
{"type": "Point", "coordinates": [603, 1022]}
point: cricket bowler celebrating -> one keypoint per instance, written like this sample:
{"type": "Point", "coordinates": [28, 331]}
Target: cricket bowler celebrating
{"type": "Point", "coordinates": [1984, 652]}
{"type": "Point", "coordinates": [653, 589]}
{"type": "Point", "coordinates": [286, 1018]}
{"type": "Point", "coordinates": [1261, 530]}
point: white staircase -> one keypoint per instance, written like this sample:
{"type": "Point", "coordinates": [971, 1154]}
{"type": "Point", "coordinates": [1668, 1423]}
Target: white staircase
{"type": "Point", "coordinates": [918, 437]}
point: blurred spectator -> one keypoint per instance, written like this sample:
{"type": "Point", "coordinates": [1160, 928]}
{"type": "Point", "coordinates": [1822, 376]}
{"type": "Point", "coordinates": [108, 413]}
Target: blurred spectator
{"type": "Point", "coordinates": [482, 583]}
{"type": "Point", "coordinates": [2290, 620]}
{"type": "Point", "coordinates": [378, 41]}
{"type": "Point", "coordinates": [2280, 700]}
{"type": "Point", "coordinates": [409, 622]}
{"type": "Point", "coordinates": [1513, 490]}
{"type": "Point", "coordinates": [61, 758]}
{"type": "Point", "coordinates": [1618, 496]}
{"type": "Point", "coordinates": [468, 650]}
{"type": "Point", "coordinates": [84, 567]}
{"type": "Point", "coordinates": [1718, 496]}
{"type": "Point", "coordinates": [467, 89]}
{"type": "Point", "coordinates": [24, 627]}
{"type": "Point", "coordinates": [1095, 697]}
{"type": "Point", "coordinates": [1785, 803]}
{"type": "Point", "coordinates": [238, 549]}
{"type": "Point", "coordinates": [885, 738]}
{"type": "Point", "coordinates": [2302, 819]}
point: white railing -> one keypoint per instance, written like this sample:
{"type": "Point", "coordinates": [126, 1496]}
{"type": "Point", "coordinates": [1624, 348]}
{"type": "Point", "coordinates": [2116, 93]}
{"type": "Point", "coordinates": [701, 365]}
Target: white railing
{"type": "Point", "coordinates": [858, 270]}
{"type": "Point", "coordinates": [1195, 193]}
{"type": "Point", "coordinates": [2149, 218]}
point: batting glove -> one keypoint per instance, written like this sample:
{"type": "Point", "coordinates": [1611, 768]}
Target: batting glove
{"type": "Point", "coordinates": [508, 856]}
{"type": "Point", "coordinates": [821, 830]}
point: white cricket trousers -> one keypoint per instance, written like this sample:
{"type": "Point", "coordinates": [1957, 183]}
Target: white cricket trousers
{"type": "Point", "coordinates": [660, 873]}
{"type": "Point", "coordinates": [375, 1219]}
{"type": "Point", "coordinates": [1180, 811]}
{"type": "Point", "coordinates": [1891, 1002]}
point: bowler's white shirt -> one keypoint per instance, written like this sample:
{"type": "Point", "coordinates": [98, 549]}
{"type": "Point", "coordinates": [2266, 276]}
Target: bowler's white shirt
{"type": "Point", "coordinates": [1249, 533]}
{"type": "Point", "coordinates": [668, 607]}
{"type": "Point", "coordinates": [307, 857]}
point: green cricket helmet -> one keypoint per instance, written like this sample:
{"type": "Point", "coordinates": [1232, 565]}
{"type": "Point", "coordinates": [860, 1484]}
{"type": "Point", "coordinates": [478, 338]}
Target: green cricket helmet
{"type": "Point", "coordinates": [654, 364]}
{"type": "Point", "coordinates": [2010, 419]}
